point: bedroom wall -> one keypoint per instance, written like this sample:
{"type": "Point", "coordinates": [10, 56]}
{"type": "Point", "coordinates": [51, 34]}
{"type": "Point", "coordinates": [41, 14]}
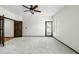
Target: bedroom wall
{"type": "Point", "coordinates": [34, 25]}
{"type": "Point", "coordinates": [66, 26]}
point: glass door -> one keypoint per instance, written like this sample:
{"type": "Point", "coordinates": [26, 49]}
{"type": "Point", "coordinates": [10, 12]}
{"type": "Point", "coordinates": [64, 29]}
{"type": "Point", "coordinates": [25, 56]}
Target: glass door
{"type": "Point", "coordinates": [48, 28]}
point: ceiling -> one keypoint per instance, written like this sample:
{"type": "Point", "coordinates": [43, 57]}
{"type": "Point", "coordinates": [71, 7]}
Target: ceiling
{"type": "Point", "coordinates": [47, 10]}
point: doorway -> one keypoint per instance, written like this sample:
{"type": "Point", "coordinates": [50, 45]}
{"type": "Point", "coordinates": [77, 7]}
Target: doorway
{"type": "Point", "coordinates": [48, 28]}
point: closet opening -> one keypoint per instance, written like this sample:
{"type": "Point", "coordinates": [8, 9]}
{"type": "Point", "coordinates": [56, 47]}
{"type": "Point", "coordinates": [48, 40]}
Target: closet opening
{"type": "Point", "coordinates": [9, 28]}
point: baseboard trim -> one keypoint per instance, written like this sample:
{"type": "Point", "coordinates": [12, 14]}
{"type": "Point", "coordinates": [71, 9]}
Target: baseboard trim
{"type": "Point", "coordinates": [32, 36]}
{"type": "Point", "coordinates": [66, 45]}
{"type": "Point", "coordinates": [8, 37]}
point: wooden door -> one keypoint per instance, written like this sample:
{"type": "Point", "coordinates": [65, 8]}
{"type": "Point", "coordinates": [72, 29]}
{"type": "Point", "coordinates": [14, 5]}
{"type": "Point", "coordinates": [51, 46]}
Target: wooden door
{"type": "Point", "coordinates": [17, 28]}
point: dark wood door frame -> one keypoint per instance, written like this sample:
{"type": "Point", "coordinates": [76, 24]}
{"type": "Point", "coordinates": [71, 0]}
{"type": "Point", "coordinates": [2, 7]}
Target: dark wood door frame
{"type": "Point", "coordinates": [2, 30]}
{"type": "Point", "coordinates": [46, 29]}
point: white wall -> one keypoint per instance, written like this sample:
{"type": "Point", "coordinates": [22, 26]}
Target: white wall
{"type": "Point", "coordinates": [34, 25]}
{"type": "Point", "coordinates": [9, 14]}
{"type": "Point", "coordinates": [8, 28]}
{"type": "Point", "coordinates": [66, 26]}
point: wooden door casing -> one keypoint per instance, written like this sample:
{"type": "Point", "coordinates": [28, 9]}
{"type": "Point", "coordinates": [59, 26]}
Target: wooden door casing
{"type": "Point", "coordinates": [51, 29]}
{"type": "Point", "coordinates": [2, 30]}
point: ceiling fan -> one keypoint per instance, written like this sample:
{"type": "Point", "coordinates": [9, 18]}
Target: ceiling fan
{"type": "Point", "coordinates": [32, 8]}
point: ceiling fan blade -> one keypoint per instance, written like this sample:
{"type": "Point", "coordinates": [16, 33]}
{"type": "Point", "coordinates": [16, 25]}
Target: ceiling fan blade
{"type": "Point", "coordinates": [35, 7]}
{"type": "Point", "coordinates": [37, 11]}
{"type": "Point", "coordinates": [25, 6]}
{"type": "Point", "coordinates": [26, 10]}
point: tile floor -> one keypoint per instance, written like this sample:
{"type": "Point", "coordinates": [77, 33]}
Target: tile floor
{"type": "Point", "coordinates": [34, 45]}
